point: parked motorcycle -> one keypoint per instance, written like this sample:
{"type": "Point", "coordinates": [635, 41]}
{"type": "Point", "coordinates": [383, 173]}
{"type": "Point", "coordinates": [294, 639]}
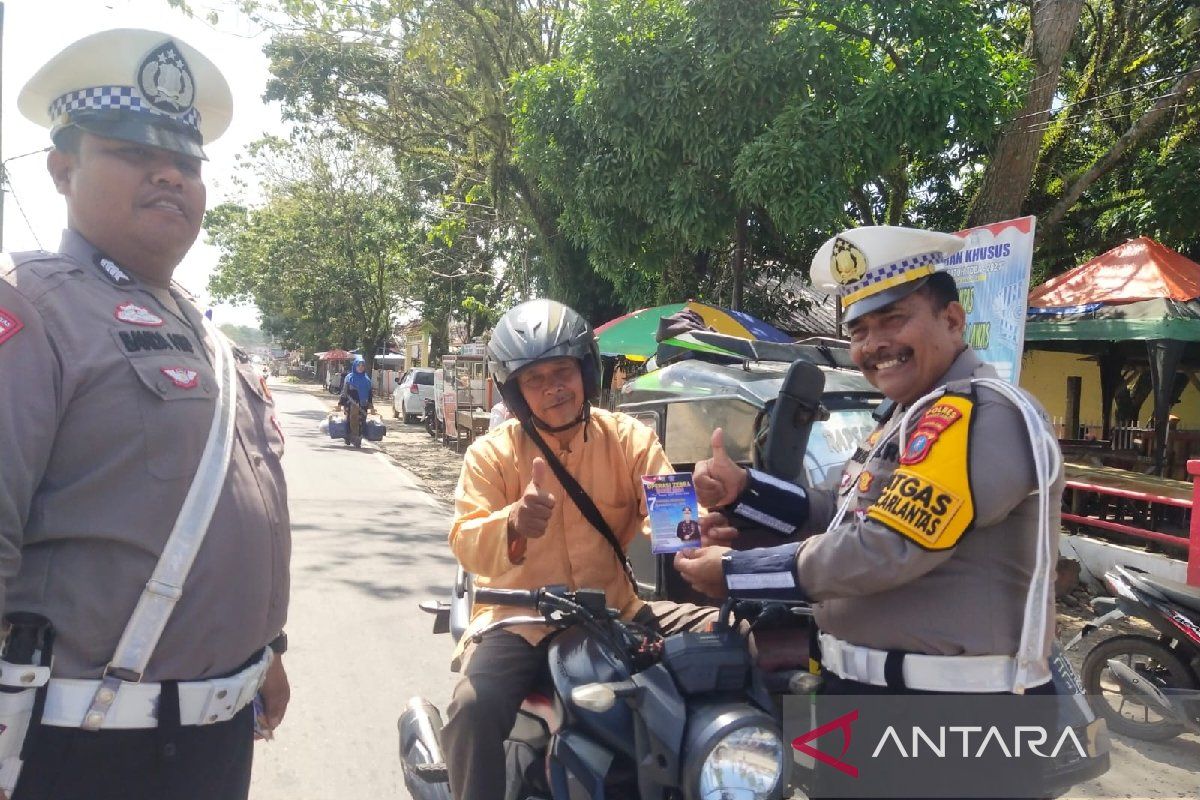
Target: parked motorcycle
{"type": "Point", "coordinates": [1146, 687]}
{"type": "Point", "coordinates": [625, 713]}
{"type": "Point", "coordinates": [429, 418]}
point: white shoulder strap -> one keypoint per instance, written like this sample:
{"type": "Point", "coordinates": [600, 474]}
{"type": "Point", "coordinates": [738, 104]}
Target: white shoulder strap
{"type": "Point", "coordinates": [165, 586]}
{"type": "Point", "coordinates": [1032, 658]}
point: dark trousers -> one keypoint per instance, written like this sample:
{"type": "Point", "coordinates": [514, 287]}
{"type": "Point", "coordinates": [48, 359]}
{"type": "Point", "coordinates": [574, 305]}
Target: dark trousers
{"type": "Point", "coordinates": [500, 671]}
{"type": "Point", "coordinates": [191, 762]}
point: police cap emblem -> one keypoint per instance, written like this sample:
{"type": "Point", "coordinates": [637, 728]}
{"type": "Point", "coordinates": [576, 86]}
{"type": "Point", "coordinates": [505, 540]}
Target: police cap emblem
{"type": "Point", "coordinates": [847, 263]}
{"type": "Point", "coordinates": [165, 79]}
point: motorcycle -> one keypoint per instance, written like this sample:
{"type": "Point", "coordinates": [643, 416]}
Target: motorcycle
{"type": "Point", "coordinates": [429, 418]}
{"type": "Point", "coordinates": [1145, 687]}
{"type": "Point", "coordinates": [624, 713]}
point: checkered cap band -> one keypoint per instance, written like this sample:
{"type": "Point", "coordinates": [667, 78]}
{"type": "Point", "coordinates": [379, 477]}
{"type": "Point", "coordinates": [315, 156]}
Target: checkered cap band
{"type": "Point", "coordinates": [106, 98]}
{"type": "Point", "coordinates": [892, 270]}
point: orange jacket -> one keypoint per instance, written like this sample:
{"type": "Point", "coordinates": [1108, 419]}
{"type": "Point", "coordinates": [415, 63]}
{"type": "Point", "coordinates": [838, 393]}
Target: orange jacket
{"type": "Point", "coordinates": [609, 465]}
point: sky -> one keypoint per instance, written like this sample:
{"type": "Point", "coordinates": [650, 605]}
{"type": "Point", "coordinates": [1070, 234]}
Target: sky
{"type": "Point", "coordinates": [35, 30]}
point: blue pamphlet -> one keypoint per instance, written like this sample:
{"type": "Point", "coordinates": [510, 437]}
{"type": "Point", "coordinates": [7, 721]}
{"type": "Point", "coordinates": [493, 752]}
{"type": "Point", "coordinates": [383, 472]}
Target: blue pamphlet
{"type": "Point", "coordinates": [674, 514]}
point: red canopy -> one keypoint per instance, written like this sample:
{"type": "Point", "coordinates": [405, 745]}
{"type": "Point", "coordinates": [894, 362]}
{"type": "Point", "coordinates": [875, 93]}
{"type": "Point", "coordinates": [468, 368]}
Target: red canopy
{"type": "Point", "coordinates": [335, 355]}
{"type": "Point", "coordinates": [1140, 269]}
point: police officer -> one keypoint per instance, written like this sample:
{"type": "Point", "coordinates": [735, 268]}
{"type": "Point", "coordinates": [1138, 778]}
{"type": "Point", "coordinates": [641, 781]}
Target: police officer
{"type": "Point", "coordinates": [931, 568]}
{"type": "Point", "coordinates": [107, 401]}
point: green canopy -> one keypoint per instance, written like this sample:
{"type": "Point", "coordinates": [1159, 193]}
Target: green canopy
{"type": "Point", "coordinates": [1161, 318]}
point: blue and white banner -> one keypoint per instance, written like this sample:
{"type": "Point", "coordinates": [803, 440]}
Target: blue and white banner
{"type": "Point", "coordinates": [993, 283]}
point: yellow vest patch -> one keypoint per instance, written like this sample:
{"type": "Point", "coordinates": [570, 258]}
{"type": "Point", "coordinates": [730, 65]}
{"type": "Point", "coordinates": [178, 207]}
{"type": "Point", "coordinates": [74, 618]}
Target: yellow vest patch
{"type": "Point", "coordinates": [928, 498]}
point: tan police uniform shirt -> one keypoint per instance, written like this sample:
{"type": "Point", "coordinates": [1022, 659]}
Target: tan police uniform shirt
{"type": "Point", "coordinates": [106, 397]}
{"type": "Point", "coordinates": [609, 465]}
{"type": "Point", "coordinates": [879, 589]}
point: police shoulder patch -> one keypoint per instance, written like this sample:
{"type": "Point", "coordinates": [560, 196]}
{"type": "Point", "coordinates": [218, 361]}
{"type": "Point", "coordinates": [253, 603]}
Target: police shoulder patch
{"type": "Point", "coordinates": [10, 325]}
{"type": "Point", "coordinates": [928, 499]}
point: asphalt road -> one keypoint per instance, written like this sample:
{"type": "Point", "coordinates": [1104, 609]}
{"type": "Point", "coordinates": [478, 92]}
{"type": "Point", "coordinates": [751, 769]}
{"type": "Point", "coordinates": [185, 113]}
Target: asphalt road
{"type": "Point", "coordinates": [368, 544]}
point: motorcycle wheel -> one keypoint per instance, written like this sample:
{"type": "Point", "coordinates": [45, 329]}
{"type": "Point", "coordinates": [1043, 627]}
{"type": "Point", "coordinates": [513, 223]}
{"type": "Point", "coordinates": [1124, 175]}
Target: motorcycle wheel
{"type": "Point", "coordinates": [1152, 660]}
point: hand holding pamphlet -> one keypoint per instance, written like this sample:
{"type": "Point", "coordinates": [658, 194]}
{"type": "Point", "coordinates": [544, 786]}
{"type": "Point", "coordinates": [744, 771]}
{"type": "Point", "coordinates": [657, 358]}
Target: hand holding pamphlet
{"type": "Point", "coordinates": [674, 514]}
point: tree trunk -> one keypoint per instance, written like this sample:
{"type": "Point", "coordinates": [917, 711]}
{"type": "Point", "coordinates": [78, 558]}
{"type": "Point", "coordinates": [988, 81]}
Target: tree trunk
{"type": "Point", "coordinates": [1006, 182]}
{"type": "Point", "coordinates": [1137, 131]}
{"type": "Point", "coordinates": [740, 246]}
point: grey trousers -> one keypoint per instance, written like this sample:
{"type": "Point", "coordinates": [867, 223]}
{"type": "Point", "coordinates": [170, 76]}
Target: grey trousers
{"type": "Point", "coordinates": [500, 671]}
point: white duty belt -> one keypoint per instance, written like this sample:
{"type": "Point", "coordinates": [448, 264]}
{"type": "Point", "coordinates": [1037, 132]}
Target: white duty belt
{"type": "Point", "coordinates": [957, 674]}
{"type": "Point", "coordinates": [165, 586]}
{"type": "Point", "coordinates": [135, 705]}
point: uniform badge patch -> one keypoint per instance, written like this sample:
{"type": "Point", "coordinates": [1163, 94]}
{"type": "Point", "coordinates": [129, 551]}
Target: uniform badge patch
{"type": "Point", "coordinates": [934, 422]}
{"type": "Point", "coordinates": [137, 315]}
{"type": "Point", "coordinates": [109, 269]}
{"type": "Point", "coordinates": [847, 263]}
{"type": "Point", "coordinates": [10, 324]}
{"type": "Point", "coordinates": [929, 500]}
{"type": "Point", "coordinates": [182, 377]}
{"type": "Point", "coordinates": [166, 80]}
{"type": "Point", "coordinates": [865, 479]}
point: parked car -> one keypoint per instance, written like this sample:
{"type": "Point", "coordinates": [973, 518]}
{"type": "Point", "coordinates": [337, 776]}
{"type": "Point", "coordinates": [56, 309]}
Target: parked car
{"type": "Point", "coordinates": [412, 390]}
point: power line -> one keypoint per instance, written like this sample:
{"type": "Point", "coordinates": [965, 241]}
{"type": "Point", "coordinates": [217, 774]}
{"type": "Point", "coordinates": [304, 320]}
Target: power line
{"type": "Point", "coordinates": [24, 216]}
{"type": "Point", "coordinates": [1054, 113]}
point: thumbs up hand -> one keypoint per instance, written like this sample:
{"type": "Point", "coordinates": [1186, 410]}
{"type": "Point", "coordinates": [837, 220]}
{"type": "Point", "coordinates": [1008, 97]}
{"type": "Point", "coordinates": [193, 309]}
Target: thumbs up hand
{"type": "Point", "coordinates": [530, 516]}
{"type": "Point", "coordinates": [718, 480]}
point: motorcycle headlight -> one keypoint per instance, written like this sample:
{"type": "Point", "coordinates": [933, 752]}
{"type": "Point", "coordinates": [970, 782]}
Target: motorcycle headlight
{"type": "Point", "coordinates": [746, 764]}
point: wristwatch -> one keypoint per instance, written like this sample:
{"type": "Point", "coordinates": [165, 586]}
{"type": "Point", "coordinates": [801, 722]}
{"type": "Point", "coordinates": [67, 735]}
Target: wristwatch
{"type": "Point", "coordinates": [278, 645]}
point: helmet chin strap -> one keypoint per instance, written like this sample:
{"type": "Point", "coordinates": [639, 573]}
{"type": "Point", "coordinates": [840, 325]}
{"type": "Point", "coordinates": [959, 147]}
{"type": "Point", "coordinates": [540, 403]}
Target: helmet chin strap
{"type": "Point", "coordinates": [585, 413]}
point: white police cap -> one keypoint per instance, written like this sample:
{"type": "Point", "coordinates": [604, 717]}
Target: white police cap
{"type": "Point", "coordinates": [132, 84]}
{"type": "Point", "coordinates": [874, 266]}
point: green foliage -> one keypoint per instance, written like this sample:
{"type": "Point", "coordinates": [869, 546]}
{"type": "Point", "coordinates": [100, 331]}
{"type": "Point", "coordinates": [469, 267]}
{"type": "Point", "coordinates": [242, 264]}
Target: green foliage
{"type": "Point", "coordinates": [329, 254]}
{"type": "Point", "coordinates": [1125, 57]}
{"type": "Point", "coordinates": [430, 82]}
{"type": "Point", "coordinates": [664, 121]}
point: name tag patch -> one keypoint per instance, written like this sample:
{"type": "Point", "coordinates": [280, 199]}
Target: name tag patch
{"type": "Point", "coordinates": [10, 325]}
{"type": "Point", "coordinates": [136, 341]}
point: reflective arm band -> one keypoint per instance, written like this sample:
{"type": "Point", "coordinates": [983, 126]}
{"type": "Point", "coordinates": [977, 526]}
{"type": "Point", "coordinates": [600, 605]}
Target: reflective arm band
{"type": "Point", "coordinates": [774, 504]}
{"type": "Point", "coordinates": [765, 573]}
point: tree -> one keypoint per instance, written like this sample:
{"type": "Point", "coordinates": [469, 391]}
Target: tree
{"type": "Point", "coordinates": [676, 134]}
{"type": "Point", "coordinates": [1005, 184]}
{"type": "Point", "coordinates": [430, 81]}
{"type": "Point", "coordinates": [328, 256]}
{"type": "Point", "coordinates": [1118, 138]}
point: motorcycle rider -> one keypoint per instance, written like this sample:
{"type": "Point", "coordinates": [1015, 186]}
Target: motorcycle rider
{"type": "Point", "coordinates": [517, 527]}
{"type": "Point", "coordinates": [357, 398]}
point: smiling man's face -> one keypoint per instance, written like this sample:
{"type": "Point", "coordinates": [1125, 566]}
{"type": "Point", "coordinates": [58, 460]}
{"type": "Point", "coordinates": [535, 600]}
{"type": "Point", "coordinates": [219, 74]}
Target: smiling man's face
{"type": "Point", "coordinates": [904, 348]}
{"type": "Point", "coordinates": [140, 205]}
{"type": "Point", "coordinates": [553, 389]}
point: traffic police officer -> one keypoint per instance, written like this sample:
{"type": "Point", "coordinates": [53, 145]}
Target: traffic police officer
{"type": "Point", "coordinates": [108, 392]}
{"type": "Point", "coordinates": [934, 571]}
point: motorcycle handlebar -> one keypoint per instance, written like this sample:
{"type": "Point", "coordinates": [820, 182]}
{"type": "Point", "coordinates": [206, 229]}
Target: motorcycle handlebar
{"type": "Point", "coordinates": [508, 597]}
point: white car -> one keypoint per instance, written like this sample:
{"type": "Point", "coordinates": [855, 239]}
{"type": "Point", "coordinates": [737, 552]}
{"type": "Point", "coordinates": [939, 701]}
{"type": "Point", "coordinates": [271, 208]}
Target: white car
{"type": "Point", "coordinates": [412, 390]}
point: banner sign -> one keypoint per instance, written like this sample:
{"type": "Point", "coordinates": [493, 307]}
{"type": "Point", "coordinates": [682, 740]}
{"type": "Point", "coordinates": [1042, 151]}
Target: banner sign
{"type": "Point", "coordinates": [992, 272]}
